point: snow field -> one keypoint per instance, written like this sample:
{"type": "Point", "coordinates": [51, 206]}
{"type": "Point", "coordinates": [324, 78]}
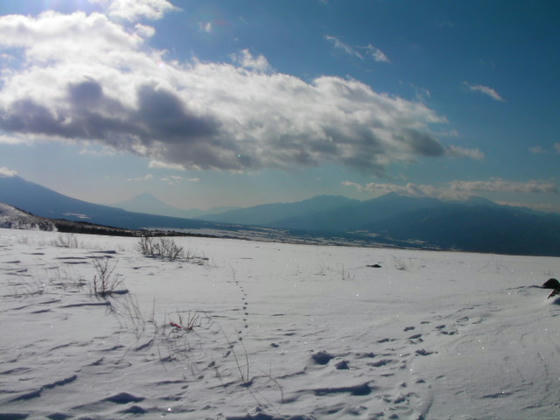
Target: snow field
{"type": "Point", "coordinates": [278, 331]}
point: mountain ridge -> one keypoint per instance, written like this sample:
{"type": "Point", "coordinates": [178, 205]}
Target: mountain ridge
{"type": "Point", "coordinates": [148, 203]}
{"type": "Point", "coordinates": [476, 225]}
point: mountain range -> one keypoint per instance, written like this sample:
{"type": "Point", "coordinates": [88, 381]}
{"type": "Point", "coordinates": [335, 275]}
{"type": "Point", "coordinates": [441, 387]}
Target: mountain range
{"type": "Point", "coordinates": [476, 224]}
{"type": "Point", "coordinates": [147, 203]}
{"type": "Point", "coordinates": [44, 202]}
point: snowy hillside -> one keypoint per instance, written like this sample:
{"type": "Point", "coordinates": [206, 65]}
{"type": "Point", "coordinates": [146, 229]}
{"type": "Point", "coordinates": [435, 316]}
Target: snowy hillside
{"type": "Point", "coordinates": [12, 218]}
{"type": "Point", "coordinates": [247, 330]}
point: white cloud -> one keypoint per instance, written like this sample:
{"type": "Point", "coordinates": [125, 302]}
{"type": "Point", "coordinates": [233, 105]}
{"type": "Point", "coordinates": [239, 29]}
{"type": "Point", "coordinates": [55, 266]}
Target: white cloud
{"type": "Point", "coordinates": [545, 207]}
{"type": "Point", "coordinates": [121, 94]}
{"type": "Point", "coordinates": [172, 179]}
{"type": "Point", "coordinates": [488, 91]}
{"type": "Point", "coordinates": [377, 54]}
{"type": "Point", "coordinates": [97, 151]}
{"type": "Point", "coordinates": [537, 150]}
{"type": "Point", "coordinates": [501, 185]}
{"type": "Point", "coordinates": [383, 188]}
{"type": "Point", "coordinates": [369, 49]}
{"type": "Point", "coordinates": [133, 10]}
{"type": "Point", "coordinates": [156, 164]}
{"type": "Point", "coordinates": [145, 31]}
{"type": "Point", "coordinates": [6, 172]}
{"type": "Point", "coordinates": [146, 177]}
{"type": "Point", "coordinates": [14, 139]}
{"type": "Point", "coordinates": [344, 47]}
{"type": "Point", "coordinates": [458, 189]}
{"type": "Point", "coordinates": [421, 94]}
{"type": "Point", "coordinates": [459, 151]}
{"type": "Point", "coordinates": [245, 59]}
{"type": "Point", "coordinates": [206, 27]}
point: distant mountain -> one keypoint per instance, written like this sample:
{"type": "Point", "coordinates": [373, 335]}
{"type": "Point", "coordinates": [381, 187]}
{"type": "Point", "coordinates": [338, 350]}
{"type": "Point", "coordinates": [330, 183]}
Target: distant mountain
{"type": "Point", "coordinates": [147, 203]}
{"type": "Point", "coordinates": [476, 224]}
{"type": "Point", "coordinates": [273, 214]}
{"type": "Point", "coordinates": [44, 202]}
{"type": "Point", "coordinates": [356, 215]}
{"type": "Point", "coordinates": [392, 220]}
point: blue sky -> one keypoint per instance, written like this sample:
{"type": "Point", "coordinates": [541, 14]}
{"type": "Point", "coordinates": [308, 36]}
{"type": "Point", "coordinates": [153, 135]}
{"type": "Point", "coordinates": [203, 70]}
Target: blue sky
{"type": "Point", "coordinates": [236, 103]}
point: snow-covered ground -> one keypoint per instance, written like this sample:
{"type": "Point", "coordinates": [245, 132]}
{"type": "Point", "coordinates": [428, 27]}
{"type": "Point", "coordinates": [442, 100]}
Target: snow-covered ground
{"type": "Point", "coordinates": [12, 218]}
{"type": "Point", "coordinates": [279, 331]}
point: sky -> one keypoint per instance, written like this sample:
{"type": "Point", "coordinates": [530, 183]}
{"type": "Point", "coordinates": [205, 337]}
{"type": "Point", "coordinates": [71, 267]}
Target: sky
{"type": "Point", "coordinates": [236, 103]}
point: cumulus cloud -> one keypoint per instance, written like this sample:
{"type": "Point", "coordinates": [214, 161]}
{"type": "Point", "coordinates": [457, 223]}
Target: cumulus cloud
{"type": "Point", "coordinates": [458, 189]}
{"type": "Point", "coordinates": [145, 31]}
{"type": "Point", "coordinates": [488, 91]}
{"type": "Point", "coordinates": [133, 10]}
{"type": "Point", "coordinates": [245, 59]}
{"type": "Point", "coordinates": [88, 78]}
{"type": "Point", "coordinates": [6, 172]}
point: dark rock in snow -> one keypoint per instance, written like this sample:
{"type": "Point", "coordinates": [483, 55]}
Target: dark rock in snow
{"type": "Point", "coordinates": [342, 365]}
{"type": "Point", "coordinates": [322, 358]}
{"type": "Point", "coordinates": [124, 398]}
{"type": "Point", "coordinates": [551, 284]}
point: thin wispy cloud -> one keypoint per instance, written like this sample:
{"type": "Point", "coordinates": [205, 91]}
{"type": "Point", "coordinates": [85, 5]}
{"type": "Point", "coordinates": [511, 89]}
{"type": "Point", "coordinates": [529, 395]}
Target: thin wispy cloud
{"type": "Point", "coordinates": [157, 164]}
{"type": "Point", "coordinates": [147, 177]}
{"type": "Point", "coordinates": [337, 43]}
{"type": "Point", "coordinates": [356, 51]}
{"type": "Point", "coordinates": [458, 189]}
{"type": "Point", "coordinates": [502, 185]}
{"type": "Point", "coordinates": [377, 54]}
{"type": "Point", "coordinates": [206, 27]}
{"type": "Point", "coordinates": [488, 91]}
{"type": "Point", "coordinates": [537, 150]}
{"type": "Point", "coordinates": [458, 151]}
{"type": "Point", "coordinates": [172, 179]}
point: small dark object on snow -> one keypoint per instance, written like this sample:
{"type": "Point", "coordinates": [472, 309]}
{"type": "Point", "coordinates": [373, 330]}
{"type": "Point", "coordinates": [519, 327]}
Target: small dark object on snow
{"type": "Point", "coordinates": [322, 358]}
{"type": "Point", "coordinates": [343, 365]}
{"type": "Point", "coordinates": [551, 284]}
{"type": "Point", "coordinates": [373, 266]}
{"type": "Point", "coordinates": [554, 285]}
